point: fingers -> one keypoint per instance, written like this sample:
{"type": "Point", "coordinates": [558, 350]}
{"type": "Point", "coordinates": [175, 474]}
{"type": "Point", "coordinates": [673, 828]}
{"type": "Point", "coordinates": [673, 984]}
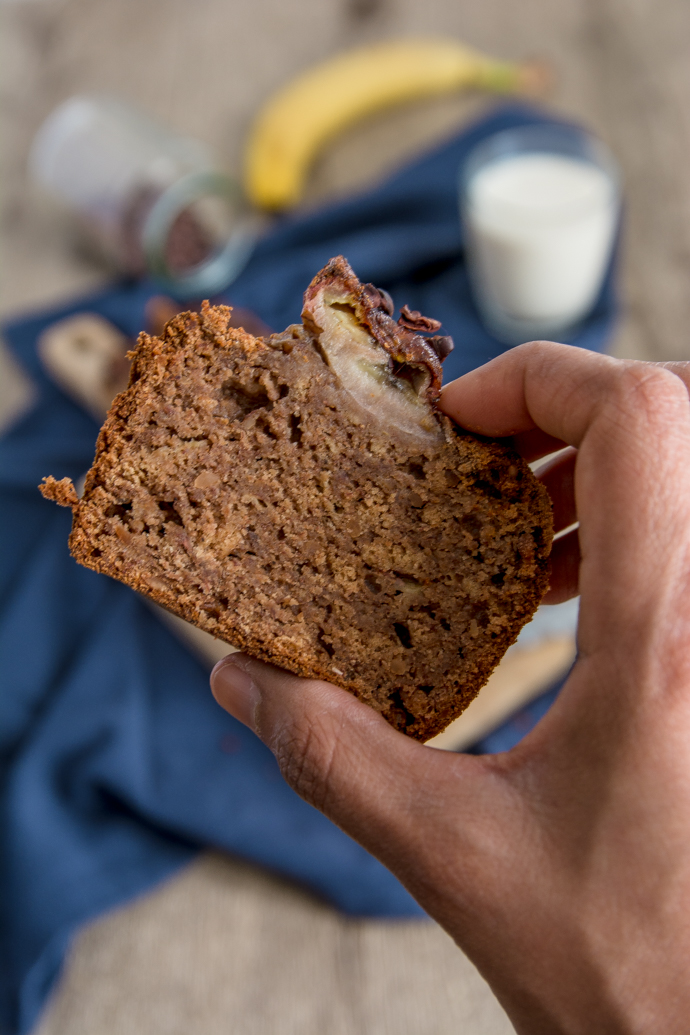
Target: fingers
{"type": "Point", "coordinates": [539, 385]}
{"type": "Point", "coordinates": [532, 445]}
{"type": "Point", "coordinates": [631, 491]}
{"type": "Point", "coordinates": [558, 477]}
{"type": "Point", "coordinates": [565, 569]}
{"type": "Point", "coordinates": [681, 370]}
{"type": "Point", "coordinates": [338, 754]}
{"type": "Point", "coordinates": [438, 820]}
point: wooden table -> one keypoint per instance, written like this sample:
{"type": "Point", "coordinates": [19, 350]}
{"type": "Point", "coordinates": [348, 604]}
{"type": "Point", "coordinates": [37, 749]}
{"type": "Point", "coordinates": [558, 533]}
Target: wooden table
{"type": "Point", "coordinates": [223, 947]}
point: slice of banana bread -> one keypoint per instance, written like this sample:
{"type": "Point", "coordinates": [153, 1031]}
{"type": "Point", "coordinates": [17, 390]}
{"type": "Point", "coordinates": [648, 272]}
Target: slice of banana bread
{"type": "Point", "coordinates": [301, 497]}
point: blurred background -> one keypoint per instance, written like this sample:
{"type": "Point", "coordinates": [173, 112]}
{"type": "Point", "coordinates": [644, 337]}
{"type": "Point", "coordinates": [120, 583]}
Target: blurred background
{"type": "Point", "coordinates": [204, 68]}
{"type": "Point", "coordinates": [224, 947]}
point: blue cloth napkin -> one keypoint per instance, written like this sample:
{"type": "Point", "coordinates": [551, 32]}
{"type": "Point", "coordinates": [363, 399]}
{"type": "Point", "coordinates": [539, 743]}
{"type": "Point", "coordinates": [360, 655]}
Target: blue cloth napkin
{"type": "Point", "coordinates": [116, 764]}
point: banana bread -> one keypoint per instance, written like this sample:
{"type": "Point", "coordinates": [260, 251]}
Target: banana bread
{"type": "Point", "coordinates": [301, 497]}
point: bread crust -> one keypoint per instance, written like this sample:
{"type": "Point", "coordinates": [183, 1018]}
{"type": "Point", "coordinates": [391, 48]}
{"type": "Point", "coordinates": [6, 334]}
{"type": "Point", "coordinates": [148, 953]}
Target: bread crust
{"type": "Point", "coordinates": [237, 487]}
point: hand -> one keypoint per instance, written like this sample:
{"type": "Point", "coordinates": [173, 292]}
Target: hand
{"type": "Point", "coordinates": [562, 868]}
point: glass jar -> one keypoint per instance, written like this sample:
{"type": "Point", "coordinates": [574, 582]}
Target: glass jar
{"type": "Point", "coordinates": [151, 200]}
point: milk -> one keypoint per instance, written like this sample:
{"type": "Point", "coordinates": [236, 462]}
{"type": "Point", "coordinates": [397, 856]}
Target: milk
{"type": "Point", "coordinates": [540, 230]}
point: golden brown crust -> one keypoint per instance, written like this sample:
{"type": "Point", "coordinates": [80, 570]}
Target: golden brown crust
{"type": "Point", "coordinates": [232, 486]}
{"type": "Point", "coordinates": [62, 492]}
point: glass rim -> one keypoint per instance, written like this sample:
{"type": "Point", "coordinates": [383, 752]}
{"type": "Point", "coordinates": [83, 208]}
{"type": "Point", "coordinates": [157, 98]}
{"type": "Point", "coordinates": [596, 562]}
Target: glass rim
{"type": "Point", "coordinates": [540, 138]}
{"type": "Point", "coordinates": [224, 264]}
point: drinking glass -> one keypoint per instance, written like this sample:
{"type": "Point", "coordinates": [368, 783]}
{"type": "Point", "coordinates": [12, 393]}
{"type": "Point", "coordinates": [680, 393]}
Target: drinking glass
{"type": "Point", "coordinates": [540, 207]}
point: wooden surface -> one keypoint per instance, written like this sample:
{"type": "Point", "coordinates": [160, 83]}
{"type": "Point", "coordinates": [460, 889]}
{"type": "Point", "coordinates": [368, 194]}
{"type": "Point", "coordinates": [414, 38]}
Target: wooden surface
{"type": "Point", "coordinates": [223, 947]}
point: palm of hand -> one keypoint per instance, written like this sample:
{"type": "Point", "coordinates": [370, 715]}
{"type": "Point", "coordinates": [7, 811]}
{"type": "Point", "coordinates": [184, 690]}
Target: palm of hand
{"type": "Point", "coordinates": [562, 868]}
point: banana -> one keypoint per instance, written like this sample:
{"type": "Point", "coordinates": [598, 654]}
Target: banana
{"type": "Point", "coordinates": [295, 122]}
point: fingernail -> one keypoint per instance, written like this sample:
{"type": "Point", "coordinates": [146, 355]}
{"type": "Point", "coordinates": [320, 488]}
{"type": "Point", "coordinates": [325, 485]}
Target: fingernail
{"type": "Point", "coordinates": [235, 690]}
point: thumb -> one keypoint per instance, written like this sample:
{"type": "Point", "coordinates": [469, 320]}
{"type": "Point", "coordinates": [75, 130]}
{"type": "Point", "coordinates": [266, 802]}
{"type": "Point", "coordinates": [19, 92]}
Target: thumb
{"type": "Point", "coordinates": [337, 753]}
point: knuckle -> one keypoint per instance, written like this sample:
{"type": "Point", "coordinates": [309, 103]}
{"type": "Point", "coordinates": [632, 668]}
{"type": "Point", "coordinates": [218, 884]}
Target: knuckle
{"type": "Point", "coordinates": [647, 391]}
{"type": "Point", "coordinates": [305, 753]}
{"type": "Point", "coordinates": [538, 355]}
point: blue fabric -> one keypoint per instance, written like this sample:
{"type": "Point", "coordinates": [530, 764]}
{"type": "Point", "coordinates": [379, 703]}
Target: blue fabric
{"type": "Point", "coordinates": [511, 732]}
{"type": "Point", "coordinates": [116, 763]}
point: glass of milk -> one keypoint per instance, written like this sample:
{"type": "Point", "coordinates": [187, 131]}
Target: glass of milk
{"type": "Point", "coordinates": [540, 207]}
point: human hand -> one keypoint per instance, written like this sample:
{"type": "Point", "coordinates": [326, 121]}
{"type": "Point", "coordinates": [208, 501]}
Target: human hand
{"type": "Point", "coordinates": [562, 867]}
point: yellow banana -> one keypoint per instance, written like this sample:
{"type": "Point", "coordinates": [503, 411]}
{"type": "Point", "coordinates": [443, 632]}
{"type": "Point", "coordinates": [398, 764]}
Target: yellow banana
{"type": "Point", "coordinates": [296, 122]}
